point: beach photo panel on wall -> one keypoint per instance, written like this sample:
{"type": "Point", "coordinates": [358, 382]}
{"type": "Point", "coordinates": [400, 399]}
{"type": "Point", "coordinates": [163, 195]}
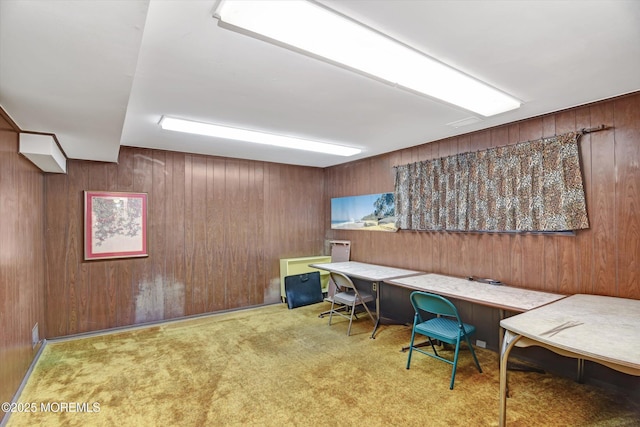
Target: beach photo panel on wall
{"type": "Point", "coordinates": [371, 212]}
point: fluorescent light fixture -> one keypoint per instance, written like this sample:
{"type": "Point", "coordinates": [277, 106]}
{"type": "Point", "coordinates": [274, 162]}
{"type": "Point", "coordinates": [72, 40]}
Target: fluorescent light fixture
{"type": "Point", "coordinates": [225, 132]}
{"type": "Point", "coordinates": [313, 28]}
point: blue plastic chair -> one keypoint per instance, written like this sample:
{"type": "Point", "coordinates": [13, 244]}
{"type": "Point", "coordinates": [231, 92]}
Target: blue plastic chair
{"type": "Point", "coordinates": [447, 327]}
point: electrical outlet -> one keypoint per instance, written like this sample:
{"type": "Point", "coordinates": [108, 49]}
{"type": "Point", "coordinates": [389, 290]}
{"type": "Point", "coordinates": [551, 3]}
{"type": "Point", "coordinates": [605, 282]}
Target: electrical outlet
{"type": "Point", "coordinates": [35, 336]}
{"type": "Point", "coordinates": [481, 344]}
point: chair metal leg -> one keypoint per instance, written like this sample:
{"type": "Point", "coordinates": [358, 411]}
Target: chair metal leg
{"type": "Point", "coordinates": [410, 351]}
{"type": "Point", "coordinates": [331, 312]}
{"type": "Point", "coordinates": [433, 346]}
{"type": "Point", "coordinates": [413, 336]}
{"type": "Point", "coordinates": [328, 312]}
{"type": "Point", "coordinates": [353, 309]}
{"type": "Point", "coordinates": [455, 364]}
{"type": "Point", "coordinates": [473, 353]}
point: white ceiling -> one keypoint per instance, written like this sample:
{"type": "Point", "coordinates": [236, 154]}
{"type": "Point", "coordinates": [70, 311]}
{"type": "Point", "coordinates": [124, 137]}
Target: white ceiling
{"type": "Point", "coordinates": [99, 74]}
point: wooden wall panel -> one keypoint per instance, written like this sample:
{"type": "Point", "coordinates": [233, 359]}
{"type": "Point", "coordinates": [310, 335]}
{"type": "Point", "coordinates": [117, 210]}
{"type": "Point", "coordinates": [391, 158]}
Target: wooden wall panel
{"type": "Point", "coordinates": [56, 253]}
{"type": "Point", "coordinates": [158, 228]}
{"type": "Point", "coordinates": [124, 300]}
{"type": "Point", "coordinates": [198, 262]}
{"type": "Point", "coordinates": [97, 285]}
{"type": "Point", "coordinates": [147, 294]}
{"type": "Point", "coordinates": [601, 208]}
{"type": "Point", "coordinates": [627, 217]}
{"type": "Point", "coordinates": [189, 250]}
{"type": "Point", "coordinates": [217, 237]}
{"type": "Point", "coordinates": [235, 242]}
{"type": "Point", "coordinates": [174, 296]}
{"type": "Point", "coordinates": [585, 239]}
{"type": "Point", "coordinates": [261, 278]}
{"type": "Point", "coordinates": [568, 278]}
{"type": "Point", "coordinates": [76, 271]}
{"type": "Point", "coordinates": [210, 238]}
{"type": "Point", "coordinates": [22, 245]}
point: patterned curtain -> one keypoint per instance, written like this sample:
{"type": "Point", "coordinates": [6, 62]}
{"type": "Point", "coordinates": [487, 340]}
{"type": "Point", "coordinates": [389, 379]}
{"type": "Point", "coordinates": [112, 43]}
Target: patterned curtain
{"type": "Point", "coordinates": [530, 186]}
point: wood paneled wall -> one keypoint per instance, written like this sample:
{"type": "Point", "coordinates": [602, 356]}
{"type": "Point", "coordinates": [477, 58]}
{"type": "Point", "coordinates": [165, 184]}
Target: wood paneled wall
{"type": "Point", "coordinates": [21, 260]}
{"type": "Point", "coordinates": [217, 228]}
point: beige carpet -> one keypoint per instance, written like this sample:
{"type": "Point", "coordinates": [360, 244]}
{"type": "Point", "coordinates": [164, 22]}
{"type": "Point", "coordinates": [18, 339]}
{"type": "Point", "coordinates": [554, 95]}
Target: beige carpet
{"type": "Point", "coordinates": [273, 366]}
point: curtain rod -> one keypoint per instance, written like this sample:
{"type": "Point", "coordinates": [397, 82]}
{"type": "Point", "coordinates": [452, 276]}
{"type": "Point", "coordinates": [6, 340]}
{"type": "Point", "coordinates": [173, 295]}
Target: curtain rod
{"type": "Point", "coordinates": [594, 129]}
{"type": "Point", "coordinates": [582, 131]}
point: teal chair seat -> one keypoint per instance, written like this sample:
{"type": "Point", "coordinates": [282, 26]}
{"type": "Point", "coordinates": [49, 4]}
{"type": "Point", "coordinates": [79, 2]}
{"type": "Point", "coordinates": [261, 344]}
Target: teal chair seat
{"type": "Point", "coordinates": [447, 327]}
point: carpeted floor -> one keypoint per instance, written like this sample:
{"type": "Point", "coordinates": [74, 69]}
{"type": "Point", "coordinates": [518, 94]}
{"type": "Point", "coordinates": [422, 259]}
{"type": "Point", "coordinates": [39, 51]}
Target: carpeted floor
{"type": "Point", "coordinates": [272, 367]}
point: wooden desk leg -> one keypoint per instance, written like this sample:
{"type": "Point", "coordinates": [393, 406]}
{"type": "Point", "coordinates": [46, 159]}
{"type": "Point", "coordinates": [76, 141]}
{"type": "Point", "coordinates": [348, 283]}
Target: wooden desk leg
{"type": "Point", "coordinates": [509, 341]}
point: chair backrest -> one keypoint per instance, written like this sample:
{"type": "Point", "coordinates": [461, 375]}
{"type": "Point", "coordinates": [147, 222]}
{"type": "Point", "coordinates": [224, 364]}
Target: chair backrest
{"type": "Point", "coordinates": [340, 252]}
{"type": "Point", "coordinates": [432, 303]}
{"type": "Point", "coordinates": [342, 281]}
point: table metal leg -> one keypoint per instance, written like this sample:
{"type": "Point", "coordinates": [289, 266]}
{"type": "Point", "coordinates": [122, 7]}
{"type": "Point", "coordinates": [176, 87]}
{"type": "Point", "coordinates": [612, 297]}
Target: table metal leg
{"type": "Point", "coordinates": [515, 366]}
{"type": "Point", "coordinates": [376, 288]}
{"type": "Point", "coordinates": [500, 330]}
{"type": "Point", "coordinates": [580, 378]}
{"type": "Point", "coordinates": [509, 341]}
{"type": "Point", "coordinates": [375, 329]}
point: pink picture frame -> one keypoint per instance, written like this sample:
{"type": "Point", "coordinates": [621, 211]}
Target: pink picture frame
{"type": "Point", "coordinates": [115, 225]}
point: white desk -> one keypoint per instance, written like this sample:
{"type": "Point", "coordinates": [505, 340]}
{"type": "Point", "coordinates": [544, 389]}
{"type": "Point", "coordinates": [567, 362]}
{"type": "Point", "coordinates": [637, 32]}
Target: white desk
{"type": "Point", "coordinates": [568, 327]}
{"type": "Point", "coordinates": [369, 272]}
{"type": "Point", "coordinates": [505, 298]}
{"type": "Point", "coordinates": [498, 296]}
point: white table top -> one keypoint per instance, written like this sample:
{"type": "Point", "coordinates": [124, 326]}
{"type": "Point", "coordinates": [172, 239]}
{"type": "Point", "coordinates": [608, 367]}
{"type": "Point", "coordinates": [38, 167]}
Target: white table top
{"type": "Point", "coordinates": [499, 296]}
{"type": "Point", "coordinates": [600, 328]}
{"type": "Point", "coordinates": [361, 270]}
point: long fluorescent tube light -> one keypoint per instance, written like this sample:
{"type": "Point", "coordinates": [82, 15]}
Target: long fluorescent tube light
{"type": "Point", "coordinates": [315, 29]}
{"type": "Point", "coordinates": [237, 134]}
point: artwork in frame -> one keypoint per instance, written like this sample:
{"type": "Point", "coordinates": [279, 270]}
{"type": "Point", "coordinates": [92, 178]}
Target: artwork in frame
{"type": "Point", "coordinates": [371, 212]}
{"type": "Point", "coordinates": [115, 225]}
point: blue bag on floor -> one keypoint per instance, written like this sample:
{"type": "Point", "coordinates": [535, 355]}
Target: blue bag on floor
{"type": "Point", "coordinates": [303, 289]}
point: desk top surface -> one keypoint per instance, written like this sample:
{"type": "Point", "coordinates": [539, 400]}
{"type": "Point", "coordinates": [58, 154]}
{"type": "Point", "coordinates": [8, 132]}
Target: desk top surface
{"type": "Point", "coordinates": [594, 326]}
{"type": "Point", "coordinates": [365, 271]}
{"type": "Point", "coordinates": [498, 296]}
